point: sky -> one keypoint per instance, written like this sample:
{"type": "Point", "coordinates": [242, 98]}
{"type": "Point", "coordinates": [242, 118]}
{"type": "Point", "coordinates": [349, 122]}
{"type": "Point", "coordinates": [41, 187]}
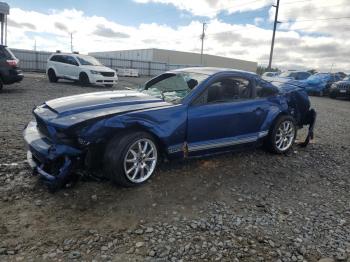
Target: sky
{"type": "Point", "coordinates": [312, 34]}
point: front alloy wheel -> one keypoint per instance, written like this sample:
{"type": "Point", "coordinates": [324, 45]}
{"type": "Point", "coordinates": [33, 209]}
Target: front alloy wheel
{"type": "Point", "coordinates": [284, 137]}
{"type": "Point", "coordinates": [140, 160]}
{"type": "Point", "coordinates": [131, 158]}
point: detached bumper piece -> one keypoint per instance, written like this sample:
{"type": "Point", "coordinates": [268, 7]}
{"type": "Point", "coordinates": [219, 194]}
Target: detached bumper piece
{"type": "Point", "coordinates": [58, 178]}
{"type": "Point", "coordinates": [310, 120]}
{"type": "Point", "coordinates": [54, 163]}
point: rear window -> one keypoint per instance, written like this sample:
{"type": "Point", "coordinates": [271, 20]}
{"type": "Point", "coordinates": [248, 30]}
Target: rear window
{"type": "Point", "coordinates": [6, 53]}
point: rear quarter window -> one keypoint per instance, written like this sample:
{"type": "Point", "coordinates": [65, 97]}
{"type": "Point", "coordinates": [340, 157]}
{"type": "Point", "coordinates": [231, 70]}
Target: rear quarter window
{"type": "Point", "coordinates": [6, 53]}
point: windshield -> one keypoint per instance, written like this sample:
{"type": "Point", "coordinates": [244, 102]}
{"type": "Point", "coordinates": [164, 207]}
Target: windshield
{"type": "Point", "coordinates": [173, 87]}
{"type": "Point", "coordinates": [287, 74]}
{"type": "Point", "coordinates": [88, 60]}
{"type": "Point", "coordinates": [322, 76]}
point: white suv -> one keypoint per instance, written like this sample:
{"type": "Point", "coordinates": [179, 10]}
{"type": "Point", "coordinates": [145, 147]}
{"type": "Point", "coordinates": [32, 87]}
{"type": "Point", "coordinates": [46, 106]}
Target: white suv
{"type": "Point", "coordinates": [83, 68]}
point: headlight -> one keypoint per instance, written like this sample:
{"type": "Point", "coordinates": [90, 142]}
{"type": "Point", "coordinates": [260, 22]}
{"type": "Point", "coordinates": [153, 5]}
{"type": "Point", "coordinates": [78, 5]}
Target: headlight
{"type": "Point", "coordinates": [94, 72]}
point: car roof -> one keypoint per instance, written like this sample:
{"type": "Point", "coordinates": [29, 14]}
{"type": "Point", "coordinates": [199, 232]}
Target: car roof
{"type": "Point", "coordinates": [71, 54]}
{"type": "Point", "coordinates": [211, 70]}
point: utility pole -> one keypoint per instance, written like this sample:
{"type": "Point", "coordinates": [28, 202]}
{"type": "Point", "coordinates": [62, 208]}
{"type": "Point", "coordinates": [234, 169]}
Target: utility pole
{"type": "Point", "coordinates": [202, 38]}
{"type": "Point", "coordinates": [274, 32]}
{"type": "Point", "coordinates": [71, 42]}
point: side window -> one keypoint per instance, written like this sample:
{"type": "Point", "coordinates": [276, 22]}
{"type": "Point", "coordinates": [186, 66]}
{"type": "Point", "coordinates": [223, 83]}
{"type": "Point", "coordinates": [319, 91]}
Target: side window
{"type": "Point", "coordinates": [265, 89]}
{"type": "Point", "coordinates": [228, 89]}
{"type": "Point", "coordinates": [70, 60]}
{"type": "Point", "coordinates": [55, 58]}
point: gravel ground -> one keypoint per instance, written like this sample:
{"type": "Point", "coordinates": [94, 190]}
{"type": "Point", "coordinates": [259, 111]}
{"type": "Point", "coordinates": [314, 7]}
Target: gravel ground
{"type": "Point", "coordinates": [249, 206]}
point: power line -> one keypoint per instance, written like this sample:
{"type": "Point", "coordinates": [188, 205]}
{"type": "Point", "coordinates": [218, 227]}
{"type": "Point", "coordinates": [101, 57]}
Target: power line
{"type": "Point", "coordinates": [319, 19]}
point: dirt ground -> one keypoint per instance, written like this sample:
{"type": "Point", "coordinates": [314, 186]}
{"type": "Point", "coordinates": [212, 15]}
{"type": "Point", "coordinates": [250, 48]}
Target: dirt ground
{"type": "Point", "coordinates": [249, 206]}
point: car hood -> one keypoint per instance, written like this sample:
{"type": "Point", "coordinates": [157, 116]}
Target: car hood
{"type": "Point", "coordinates": [315, 81]}
{"type": "Point", "coordinates": [97, 68]}
{"type": "Point", "coordinates": [75, 109]}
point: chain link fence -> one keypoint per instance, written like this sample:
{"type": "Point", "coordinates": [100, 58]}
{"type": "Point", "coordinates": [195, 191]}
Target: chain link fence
{"type": "Point", "coordinates": [35, 61]}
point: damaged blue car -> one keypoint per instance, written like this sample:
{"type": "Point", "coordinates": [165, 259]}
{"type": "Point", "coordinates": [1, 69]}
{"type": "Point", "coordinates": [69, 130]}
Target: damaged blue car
{"type": "Point", "coordinates": [182, 113]}
{"type": "Point", "coordinates": [319, 84]}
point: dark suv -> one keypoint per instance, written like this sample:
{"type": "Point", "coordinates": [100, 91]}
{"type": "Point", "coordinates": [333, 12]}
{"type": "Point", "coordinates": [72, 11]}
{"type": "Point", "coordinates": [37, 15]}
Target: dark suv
{"type": "Point", "coordinates": [9, 72]}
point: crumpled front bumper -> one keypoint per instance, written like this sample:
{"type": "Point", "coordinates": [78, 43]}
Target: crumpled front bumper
{"type": "Point", "coordinates": [52, 161]}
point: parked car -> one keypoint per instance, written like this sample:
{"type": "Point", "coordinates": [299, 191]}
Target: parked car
{"type": "Point", "coordinates": [296, 75]}
{"type": "Point", "coordinates": [83, 68]}
{"type": "Point", "coordinates": [182, 113]}
{"type": "Point", "coordinates": [320, 83]}
{"type": "Point", "coordinates": [340, 88]}
{"type": "Point", "coordinates": [270, 74]}
{"type": "Point", "coordinates": [9, 71]}
{"type": "Point", "coordinates": [342, 75]}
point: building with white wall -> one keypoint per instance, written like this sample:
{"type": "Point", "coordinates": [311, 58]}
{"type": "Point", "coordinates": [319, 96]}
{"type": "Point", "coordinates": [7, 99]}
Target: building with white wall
{"type": "Point", "coordinates": [171, 57]}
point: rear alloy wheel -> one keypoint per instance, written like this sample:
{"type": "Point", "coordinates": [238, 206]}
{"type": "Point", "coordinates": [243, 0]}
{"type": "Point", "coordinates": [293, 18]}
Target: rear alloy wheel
{"type": "Point", "coordinates": [52, 76]}
{"type": "Point", "coordinates": [84, 79]}
{"type": "Point", "coordinates": [131, 159]}
{"type": "Point", "coordinates": [282, 135]}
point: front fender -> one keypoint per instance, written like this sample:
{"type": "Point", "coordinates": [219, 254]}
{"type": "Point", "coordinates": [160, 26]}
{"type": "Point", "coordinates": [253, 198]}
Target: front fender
{"type": "Point", "coordinates": [167, 124]}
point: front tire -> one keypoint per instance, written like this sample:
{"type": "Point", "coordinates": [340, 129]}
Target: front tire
{"type": "Point", "coordinates": [282, 135]}
{"type": "Point", "coordinates": [84, 79]}
{"type": "Point", "coordinates": [131, 159]}
{"type": "Point", "coordinates": [52, 76]}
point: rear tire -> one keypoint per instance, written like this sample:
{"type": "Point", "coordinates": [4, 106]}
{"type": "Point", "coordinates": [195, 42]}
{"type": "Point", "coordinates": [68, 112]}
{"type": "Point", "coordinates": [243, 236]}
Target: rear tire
{"type": "Point", "coordinates": [282, 135]}
{"type": "Point", "coordinates": [52, 76]}
{"type": "Point", "coordinates": [130, 159]}
{"type": "Point", "coordinates": [84, 79]}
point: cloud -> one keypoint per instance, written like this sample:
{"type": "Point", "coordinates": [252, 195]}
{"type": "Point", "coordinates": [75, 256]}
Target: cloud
{"type": "Point", "coordinates": [210, 8]}
{"type": "Point", "coordinates": [318, 46]}
{"type": "Point", "coordinates": [104, 31]}
{"type": "Point", "coordinates": [258, 20]}
{"type": "Point", "coordinates": [61, 26]}
{"type": "Point", "coordinates": [27, 25]}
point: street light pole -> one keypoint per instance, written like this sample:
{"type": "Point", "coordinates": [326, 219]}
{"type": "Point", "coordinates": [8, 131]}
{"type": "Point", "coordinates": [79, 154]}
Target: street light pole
{"type": "Point", "coordinates": [274, 32]}
{"type": "Point", "coordinates": [202, 38]}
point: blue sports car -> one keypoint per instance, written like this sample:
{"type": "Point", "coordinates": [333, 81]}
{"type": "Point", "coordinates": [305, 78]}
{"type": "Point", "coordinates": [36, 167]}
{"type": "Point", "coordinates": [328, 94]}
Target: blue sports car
{"type": "Point", "coordinates": [182, 113]}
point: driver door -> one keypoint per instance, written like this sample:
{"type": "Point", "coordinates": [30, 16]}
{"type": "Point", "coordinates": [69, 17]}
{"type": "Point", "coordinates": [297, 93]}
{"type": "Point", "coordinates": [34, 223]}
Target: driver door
{"type": "Point", "coordinates": [225, 115]}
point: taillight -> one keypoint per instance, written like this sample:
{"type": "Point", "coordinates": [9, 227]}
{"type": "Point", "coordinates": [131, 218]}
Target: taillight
{"type": "Point", "coordinates": [12, 62]}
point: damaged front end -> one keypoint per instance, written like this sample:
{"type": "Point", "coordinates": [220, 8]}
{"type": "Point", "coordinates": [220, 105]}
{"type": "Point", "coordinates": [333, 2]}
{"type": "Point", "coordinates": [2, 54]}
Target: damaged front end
{"type": "Point", "coordinates": [52, 161]}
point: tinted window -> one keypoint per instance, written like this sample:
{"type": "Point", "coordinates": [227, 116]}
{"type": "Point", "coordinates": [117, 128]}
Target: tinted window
{"type": "Point", "coordinates": [70, 60]}
{"type": "Point", "coordinates": [302, 75]}
{"type": "Point", "coordinates": [226, 90]}
{"type": "Point", "coordinates": [6, 53]}
{"type": "Point", "coordinates": [55, 58]}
